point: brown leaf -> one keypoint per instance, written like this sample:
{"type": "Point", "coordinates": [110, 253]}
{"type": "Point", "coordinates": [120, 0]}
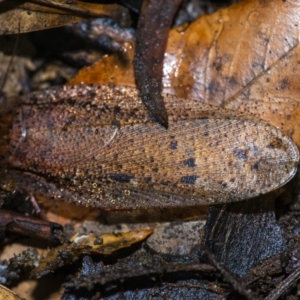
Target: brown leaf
{"type": "Point", "coordinates": [6, 294]}
{"type": "Point", "coordinates": [244, 57]}
{"type": "Point", "coordinates": [17, 74]}
{"type": "Point", "coordinates": [116, 69]}
{"type": "Point", "coordinates": [19, 16]}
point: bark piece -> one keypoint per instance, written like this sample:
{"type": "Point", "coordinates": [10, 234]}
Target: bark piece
{"type": "Point", "coordinates": [241, 234]}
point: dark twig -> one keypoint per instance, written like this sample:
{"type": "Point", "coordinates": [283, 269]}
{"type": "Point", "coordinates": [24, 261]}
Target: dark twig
{"type": "Point", "coordinates": [237, 285]}
{"type": "Point", "coordinates": [28, 226]}
{"type": "Point", "coordinates": [284, 285]}
{"type": "Point", "coordinates": [155, 266]}
{"type": "Point", "coordinates": [209, 286]}
{"type": "Point", "coordinates": [151, 41]}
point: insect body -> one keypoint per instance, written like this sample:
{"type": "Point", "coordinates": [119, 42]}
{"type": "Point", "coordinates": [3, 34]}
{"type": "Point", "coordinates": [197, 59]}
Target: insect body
{"type": "Point", "coordinates": [98, 146]}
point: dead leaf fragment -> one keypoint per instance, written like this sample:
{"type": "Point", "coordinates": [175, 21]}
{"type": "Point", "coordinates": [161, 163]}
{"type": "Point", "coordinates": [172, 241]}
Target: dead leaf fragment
{"type": "Point", "coordinates": [19, 16]}
{"type": "Point", "coordinates": [110, 242]}
{"type": "Point", "coordinates": [116, 69]}
{"type": "Point", "coordinates": [18, 74]}
{"type": "Point", "coordinates": [7, 294]}
{"type": "Point", "coordinates": [87, 244]}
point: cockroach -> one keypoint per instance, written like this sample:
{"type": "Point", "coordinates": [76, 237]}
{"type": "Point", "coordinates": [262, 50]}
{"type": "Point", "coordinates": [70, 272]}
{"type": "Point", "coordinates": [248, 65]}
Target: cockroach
{"type": "Point", "coordinates": [99, 146]}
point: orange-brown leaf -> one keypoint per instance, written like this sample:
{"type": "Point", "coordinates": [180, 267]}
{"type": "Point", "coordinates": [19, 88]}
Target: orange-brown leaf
{"type": "Point", "coordinates": [7, 294]}
{"type": "Point", "coordinates": [245, 58]}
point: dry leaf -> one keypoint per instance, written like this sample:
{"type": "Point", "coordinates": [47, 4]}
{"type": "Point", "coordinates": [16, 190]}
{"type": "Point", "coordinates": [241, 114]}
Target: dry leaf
{"type": "Point", "coordinates": [244, 57]}
{"type": "Point", "coordinates": [20, 16]}
{"type": "Point", "coordinates": [87, 244]}
{"type": "Point", "coordinates": [115, 68]}
{"type": "Point", "coordinates": [6, 294]}
{"type": "Point", "coordinates": [18, 74]}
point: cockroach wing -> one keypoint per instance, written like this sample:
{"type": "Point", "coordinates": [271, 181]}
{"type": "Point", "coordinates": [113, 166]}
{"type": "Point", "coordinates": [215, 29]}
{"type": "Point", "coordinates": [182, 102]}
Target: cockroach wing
{"type": "Point", "coordinates": [52, 137]}
{"type": "Point", "coordinates": [98, 146]}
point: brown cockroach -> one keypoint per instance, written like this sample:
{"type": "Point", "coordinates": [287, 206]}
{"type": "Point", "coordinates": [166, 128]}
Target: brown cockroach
{"type": "Point", "coordinates": [98, 146]}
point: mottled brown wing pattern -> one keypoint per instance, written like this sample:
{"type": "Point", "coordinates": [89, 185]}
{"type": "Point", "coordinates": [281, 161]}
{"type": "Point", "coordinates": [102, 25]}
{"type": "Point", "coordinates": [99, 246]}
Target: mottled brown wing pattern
{"type": "Point", "coordinates": [186, 163]}
{"type": "Point", "coordinates": [100, 147]}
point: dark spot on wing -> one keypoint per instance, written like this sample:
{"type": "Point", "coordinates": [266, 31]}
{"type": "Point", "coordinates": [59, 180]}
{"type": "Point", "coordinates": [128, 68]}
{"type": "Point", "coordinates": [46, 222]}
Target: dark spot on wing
{"type": "Point", "coordinates": [255, 149]}
{"type": "Point", "coordinates": [71, 102]}
{"type": "Point", "coordinates": [173, 145]}
{"type": "Point", "coordinates": [217, 66]}
{"type": "Point", "coordinates": [70, 120]}
{"type": "Point", "coordinates": [121, 177]}
{"type": "Point", "coordinates": [276, 143]}
{"type": "Point", "coordinates": [190, 179]}
{"type": "Point", "coordinates": [190, 162]}
{"type": "Point", "coordinates": [117, 109]}
{"type": "Point", "coordinates": [255, 166]}
{"type": "Point", "coordinates": [165, 182]}
{"type": "Point", "coordinates": [240, 154]}
{"type": "Point", "coordinates": [283, 84]}
{"type": "Point", "coordinates": [232, 81]}
{"type": "Point", "coordinates": [223, 184]}
{"type": "Point", "coordinates": [148, 179]}
{"type": "Point", "coordinates": [213, 86]}
{"type": "Point", "coordinates": [116, 123]}
{"type": "Point", "coordinates": [89, 130]}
